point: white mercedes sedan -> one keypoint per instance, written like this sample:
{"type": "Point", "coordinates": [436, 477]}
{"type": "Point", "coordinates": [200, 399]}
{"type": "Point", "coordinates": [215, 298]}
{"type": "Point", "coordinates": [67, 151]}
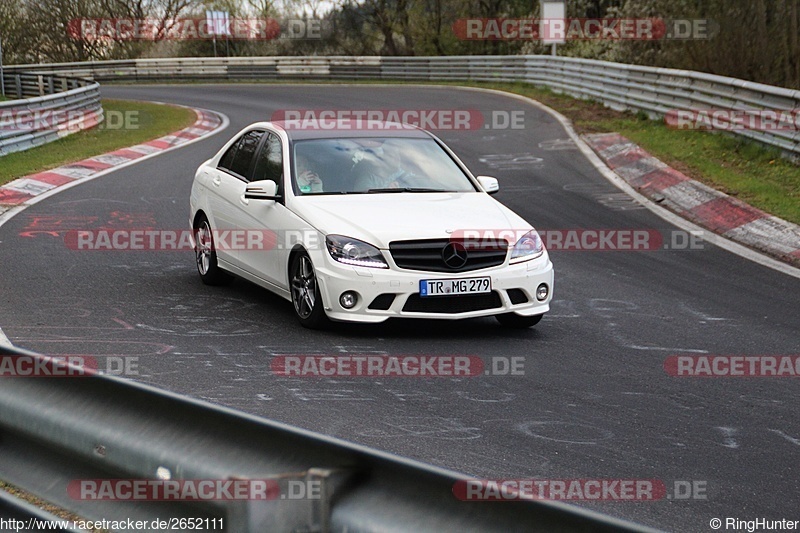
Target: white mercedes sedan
{"type": "Point", "coordinates": [362, 225]}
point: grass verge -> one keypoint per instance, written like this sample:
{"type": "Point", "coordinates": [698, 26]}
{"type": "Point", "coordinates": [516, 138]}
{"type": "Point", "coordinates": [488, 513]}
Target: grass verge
{"type": "Point", "coordinates": [56, 511]}
{"type": "Point", "coordinates": [752, 172]}
{"type": "Point", "coordinates": [736, 166]}
{"type": "Point", "coordinates": [128, 123]}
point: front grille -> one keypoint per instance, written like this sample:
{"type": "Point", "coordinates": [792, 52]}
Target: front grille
{"type": "Point", "coordinates": [517, 296]}
{"type": "Point", "coordinates": [427, 254]}
{"type": "Point", "coordinates": [382, 302]}
{"type": "Point", "coordinates": [453, 304]}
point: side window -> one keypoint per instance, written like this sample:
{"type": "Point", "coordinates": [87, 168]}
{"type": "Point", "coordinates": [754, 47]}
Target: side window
{"type": "Point", "coordinates": [227, 158]}
{"type": "Point", "coordinates": [239, 156]}
{"type": "Point", "coordinates": [269, 164]}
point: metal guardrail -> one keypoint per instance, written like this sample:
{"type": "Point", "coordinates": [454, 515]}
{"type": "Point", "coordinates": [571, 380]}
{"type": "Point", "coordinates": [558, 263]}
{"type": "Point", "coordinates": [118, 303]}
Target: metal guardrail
{"type": "Point", "coordinates": [56, 430]}
{"type": "Point", "coordinates": [655, 91]}
{"type": "Point", "coordinates": [46, 107]}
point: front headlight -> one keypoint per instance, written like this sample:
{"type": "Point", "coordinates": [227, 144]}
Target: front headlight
{"type": "Point", "coordinates": [529, 246]}
{"type": "Point", "coordinates": [354, 252]}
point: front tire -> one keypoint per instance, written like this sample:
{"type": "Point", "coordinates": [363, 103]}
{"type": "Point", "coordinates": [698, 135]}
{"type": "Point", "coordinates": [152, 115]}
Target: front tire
{"type": "Point", "coordinates": [306, 299]}
{"type": "Point", "coordinates": [206, 255]}
{"type": "Point", "coordinates": [513, 320]}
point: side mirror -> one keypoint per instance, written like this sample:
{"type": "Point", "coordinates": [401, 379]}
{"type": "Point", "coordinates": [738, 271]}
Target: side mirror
{"type": "Point", "coordinates": [489, 184]}
{"type": "Point", "coordinates": [261, 190]}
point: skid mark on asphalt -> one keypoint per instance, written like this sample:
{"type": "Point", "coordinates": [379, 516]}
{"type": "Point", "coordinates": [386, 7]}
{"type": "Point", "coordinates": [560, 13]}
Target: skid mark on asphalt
{"type": "Point", "coordinates": [100, 348]}
{"type": "Point", "coordinates": [329, 395]}
{"type": "Point", "coordinates": [558, 145]}
{"type": "Point", "coordinates": [606, 307]}
{"type": "Point", "coordinates": [501, 398]}
{"type": "Point", "coordinates": [609, 309]}
{"type": "Point", "coordinates": [495, 466]}
{"type": "Point", "coordinates": [527, 188]}
{"type": "Point", "coordinates": [606, 195]}
{"type": "Point", "coordinates": [785, 436]}
{"type": "Point", "coordinates": [625, 342]}
{"type": "Point", "coordinates": [761, 402]}
{"type": "Point", "coordinates": [728, 436]}
{"type": "Point", "coordinates": [60, 225]}
{"type": "Point", "coordinates": [565, 432]}
{"type": "Point", "coordinates": [523, 161]}
{"type": "Point", "coordinates": [203, 316]}
{"type": "Point", "coordinates": [704, 317]}
{"type": "Point", "coordinates": [429, 427]}
{"type": "Point", "coordinates": [633, 400]}
{"type": "Point", "coordinates": [562, 309]}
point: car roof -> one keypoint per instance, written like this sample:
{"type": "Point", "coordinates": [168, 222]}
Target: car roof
{"type": "Point", "coordinates": [346, 129]}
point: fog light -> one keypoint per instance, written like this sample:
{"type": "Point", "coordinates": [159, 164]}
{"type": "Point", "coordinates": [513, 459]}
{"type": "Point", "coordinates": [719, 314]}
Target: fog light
{"type": "Point", "coordinates": [348, 299]}
{"type": "Point", "coordinates": [542, 291]}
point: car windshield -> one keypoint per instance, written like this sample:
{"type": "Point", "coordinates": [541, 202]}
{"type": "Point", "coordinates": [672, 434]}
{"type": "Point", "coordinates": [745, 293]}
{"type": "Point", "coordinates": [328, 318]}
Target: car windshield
{"type": "Point", "coordinates": [375, 165]}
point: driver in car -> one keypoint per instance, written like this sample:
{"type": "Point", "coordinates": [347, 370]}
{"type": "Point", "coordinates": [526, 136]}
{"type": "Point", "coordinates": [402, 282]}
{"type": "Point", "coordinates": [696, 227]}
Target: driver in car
{"type": "Point", "coordinates": [307, 180]}
{"type": "Point", "coordinates": [383, 171]}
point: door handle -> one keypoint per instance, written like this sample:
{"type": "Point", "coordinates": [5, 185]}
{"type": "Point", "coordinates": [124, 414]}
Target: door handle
{"type": "Point", "coordinates": [243, 200]}
{"type": "Point", "coordinates": [216, 181]}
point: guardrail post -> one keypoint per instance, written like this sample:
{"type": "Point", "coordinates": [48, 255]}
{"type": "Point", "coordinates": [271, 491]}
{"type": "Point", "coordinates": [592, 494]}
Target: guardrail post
{"type": "Point", "coordinates": [655, 91]}
{"type": "Point", "coordinates": [35, 92]}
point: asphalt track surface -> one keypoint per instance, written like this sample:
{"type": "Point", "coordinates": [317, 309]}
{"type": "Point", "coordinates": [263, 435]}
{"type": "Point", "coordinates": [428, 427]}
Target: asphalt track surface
{"type": "Point", "coordinates": [594, 401]}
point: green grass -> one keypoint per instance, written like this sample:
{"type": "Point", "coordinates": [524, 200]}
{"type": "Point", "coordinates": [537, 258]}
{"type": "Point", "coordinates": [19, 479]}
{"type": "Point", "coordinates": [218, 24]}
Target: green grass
{"type": "Point", "coordinates": [150, 121]}
{"type": "Point", "coordinates": [41, 504]}
{"type": "Point", "coordinates": [754, 173]}
{"type": "Point", "coordinates": [749, 171]}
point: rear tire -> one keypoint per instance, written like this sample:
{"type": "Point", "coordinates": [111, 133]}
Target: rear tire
{"type": "Point", "coordinates": [306, 299]}
{"type": "Point", "coordinates": [513, 320]}
{"type": "Point", "coordinates": [206, 256]}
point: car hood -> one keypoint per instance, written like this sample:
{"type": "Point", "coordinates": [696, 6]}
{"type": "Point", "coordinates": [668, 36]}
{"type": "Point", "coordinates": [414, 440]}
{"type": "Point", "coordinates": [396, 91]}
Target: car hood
{"type": "Point", "coordinates": [382, 218]}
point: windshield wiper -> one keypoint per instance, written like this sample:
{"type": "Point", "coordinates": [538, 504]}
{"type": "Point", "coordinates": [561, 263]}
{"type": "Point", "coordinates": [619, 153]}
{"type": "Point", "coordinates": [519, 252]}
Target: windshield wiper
{"type": "Point", "coordinates": [408, 189]}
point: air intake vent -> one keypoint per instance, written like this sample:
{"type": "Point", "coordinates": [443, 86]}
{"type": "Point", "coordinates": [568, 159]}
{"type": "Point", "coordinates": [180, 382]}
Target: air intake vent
{"type": "Point", "coordinates": [453, 304]}
{"type": "Point", "coordinates": [445, 255]}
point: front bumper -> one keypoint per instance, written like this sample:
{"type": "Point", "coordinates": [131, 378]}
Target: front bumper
{"type": "Point", "coordinates": [370, 283]}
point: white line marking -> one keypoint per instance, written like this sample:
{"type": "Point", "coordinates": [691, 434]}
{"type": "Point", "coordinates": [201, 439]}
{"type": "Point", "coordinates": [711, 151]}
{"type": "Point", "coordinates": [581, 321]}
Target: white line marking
{"type": "Point", "coordinates": [4, 340]}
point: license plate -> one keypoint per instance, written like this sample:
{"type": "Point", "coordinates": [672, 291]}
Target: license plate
{"type": "Point", "coordinates": [450, 287]}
